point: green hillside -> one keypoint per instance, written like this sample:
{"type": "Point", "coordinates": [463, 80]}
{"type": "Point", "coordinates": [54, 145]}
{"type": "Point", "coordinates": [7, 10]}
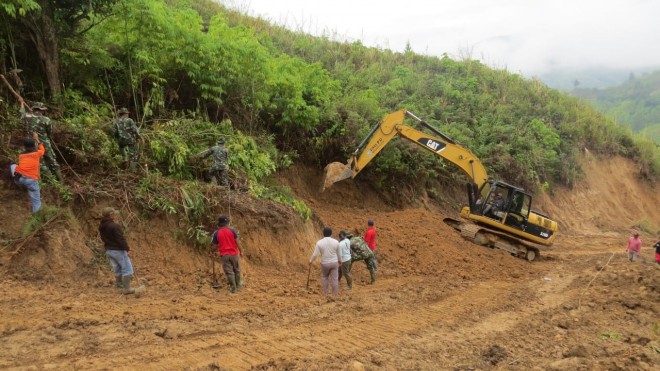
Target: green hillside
{"type": "Point", "coordinates": [189, 71]}
{"type": "Point", "coordinates": [635, 103]}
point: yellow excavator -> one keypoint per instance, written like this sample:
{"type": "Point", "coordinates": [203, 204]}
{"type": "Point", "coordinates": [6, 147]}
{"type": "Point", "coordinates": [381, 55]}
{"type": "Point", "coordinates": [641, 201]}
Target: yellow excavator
{"type": "Point", "coordinates": [498, 215]}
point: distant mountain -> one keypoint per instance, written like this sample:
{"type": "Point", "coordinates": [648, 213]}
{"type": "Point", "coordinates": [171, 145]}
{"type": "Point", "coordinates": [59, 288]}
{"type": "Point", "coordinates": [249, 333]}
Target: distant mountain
{"type": "Point", "coordinates": [599, 78]}
{"type": "Point", "coordinates": [634, 103]}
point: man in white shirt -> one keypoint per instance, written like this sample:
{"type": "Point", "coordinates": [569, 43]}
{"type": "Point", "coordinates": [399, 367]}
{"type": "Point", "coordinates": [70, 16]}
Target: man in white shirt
{"type": "Point", "coordinates": [328, 249]}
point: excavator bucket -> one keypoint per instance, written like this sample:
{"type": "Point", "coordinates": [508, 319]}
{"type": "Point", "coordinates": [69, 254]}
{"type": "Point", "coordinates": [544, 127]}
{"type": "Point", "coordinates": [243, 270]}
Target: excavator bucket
{"type": "Point", "coordinates": [335, 172]}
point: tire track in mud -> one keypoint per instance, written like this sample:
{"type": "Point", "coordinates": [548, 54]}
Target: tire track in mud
{"type": "Point", "coordinates": [244, 346]}
{"type": "Point", "coordinates": [300, 342]}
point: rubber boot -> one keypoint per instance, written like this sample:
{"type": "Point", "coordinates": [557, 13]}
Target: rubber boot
{"type": "Point", "coordinates": [132, 166]}
{"type": "Point", "coordinates": [118, 282]}
{"type": "Point", "coordinates": [237, 278]}
{"type": "Point", "coordinates": [372, 273]}
{"type": "Point", "coordinates": [232, 286]}
{"type": "Point", "coordinates": [127, 289]}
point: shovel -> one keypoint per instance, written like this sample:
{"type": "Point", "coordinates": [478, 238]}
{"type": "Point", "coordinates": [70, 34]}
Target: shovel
{"type": "Point", "coordinates": [309, 271]}
{"type": "Point", "coordinates": [215, 284]}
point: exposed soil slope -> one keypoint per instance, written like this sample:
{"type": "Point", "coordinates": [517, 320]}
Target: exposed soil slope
{"type": "Point", "coordinates": [439, 303]}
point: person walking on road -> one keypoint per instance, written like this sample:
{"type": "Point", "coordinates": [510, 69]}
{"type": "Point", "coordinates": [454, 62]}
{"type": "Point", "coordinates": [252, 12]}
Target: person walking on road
{"type": "Point", "coordinates": [117, 251]}
{"type": "Point", "coordinates": [328, 249]}
{"type": "Point", "coordinates": [226, 240]}
{"type": "Point", "coordinates": [634, 247]}
{"type": "Point", "coordinates": [39, 123]}
{"type": "Point", "coordinates": [657, 250]}
{"type": "Point", "coordinates": [26, 173]}
{"type": "Point", "coordinates": [345, 251]}
{"type": "Point", "coordinates": [127, 135]}
{"type": "Point", "coordinates": [218, 171]}
{"type": "Point", "coordinates": [370, 239]}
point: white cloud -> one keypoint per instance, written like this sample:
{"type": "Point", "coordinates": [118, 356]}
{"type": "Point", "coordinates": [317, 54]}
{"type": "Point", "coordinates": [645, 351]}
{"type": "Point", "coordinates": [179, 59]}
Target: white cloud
{"type": "Point", "coordinates": [523, 35]}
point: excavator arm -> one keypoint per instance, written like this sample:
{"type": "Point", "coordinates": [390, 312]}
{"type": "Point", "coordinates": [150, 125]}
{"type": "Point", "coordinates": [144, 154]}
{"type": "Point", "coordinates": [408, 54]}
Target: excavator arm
{"type": "Point", "coordinates": [392, 125]}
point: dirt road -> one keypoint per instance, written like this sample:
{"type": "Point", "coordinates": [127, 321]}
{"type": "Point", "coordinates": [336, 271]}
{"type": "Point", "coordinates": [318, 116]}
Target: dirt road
{"type": "Point", "coordinates": [439, 302]}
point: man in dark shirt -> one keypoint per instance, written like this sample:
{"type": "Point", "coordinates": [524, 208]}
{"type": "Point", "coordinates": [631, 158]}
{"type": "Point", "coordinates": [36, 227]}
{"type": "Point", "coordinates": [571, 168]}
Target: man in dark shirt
{"type": "Point", "coordinates": [117, 251]}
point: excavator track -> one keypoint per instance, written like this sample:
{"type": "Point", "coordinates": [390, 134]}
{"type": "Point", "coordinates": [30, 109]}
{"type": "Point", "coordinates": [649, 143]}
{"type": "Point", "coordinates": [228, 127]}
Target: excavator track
{"type": "Point", "coordinates": [484, 236]}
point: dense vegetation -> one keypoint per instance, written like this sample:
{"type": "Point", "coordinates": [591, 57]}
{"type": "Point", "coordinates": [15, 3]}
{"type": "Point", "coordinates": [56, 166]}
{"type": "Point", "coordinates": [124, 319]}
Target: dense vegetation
{"type": "Point", "coordinates": [191, 70]}
{"type": "Point", "coordinates": [635, 103]}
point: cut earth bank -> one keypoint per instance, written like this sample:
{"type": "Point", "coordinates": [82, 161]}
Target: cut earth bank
{"type": "Point", "coordinates": [439, 303]}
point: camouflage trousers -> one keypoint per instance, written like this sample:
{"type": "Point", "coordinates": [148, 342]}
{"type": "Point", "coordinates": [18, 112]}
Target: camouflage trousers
{"type": "Point", "coordinates": [130, 154]}
{"type": "Point", "coordinates": [219, 176]}
{"type": "Point", "coordinates": [369, 262]}
{"type": "Point", "coordinates": [49, 165]}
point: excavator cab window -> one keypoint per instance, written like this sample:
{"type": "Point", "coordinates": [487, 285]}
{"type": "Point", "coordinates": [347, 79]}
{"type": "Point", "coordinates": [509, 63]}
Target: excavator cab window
{"type": "Point", "coordinates": [519, 211]}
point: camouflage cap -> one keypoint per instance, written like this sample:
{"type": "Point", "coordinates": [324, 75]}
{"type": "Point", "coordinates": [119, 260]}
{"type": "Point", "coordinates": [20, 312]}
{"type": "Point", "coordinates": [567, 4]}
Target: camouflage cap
{"type": "Point", "coordinates": [221, 140]}
{"type": "Point", "coordinates": [122, 110]}
{"type": "Point", "coordinates": [107, 211]}
{"type": "Point", "coordinates": [39, 106]}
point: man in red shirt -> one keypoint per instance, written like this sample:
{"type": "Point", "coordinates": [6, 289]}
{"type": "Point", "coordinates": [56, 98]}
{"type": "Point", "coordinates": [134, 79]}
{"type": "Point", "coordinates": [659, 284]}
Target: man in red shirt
{"type": "Point", "coordinates": [370, 239]}
{"type": "Point", "coordinates": [225, 238]}
{"type": "Point", "coordinates": [26, 173]}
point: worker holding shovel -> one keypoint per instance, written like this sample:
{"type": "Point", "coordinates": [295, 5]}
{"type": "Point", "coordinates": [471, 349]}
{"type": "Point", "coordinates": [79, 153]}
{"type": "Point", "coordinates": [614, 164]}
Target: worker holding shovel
{"type": "Point", "coordinates": [225, 238]}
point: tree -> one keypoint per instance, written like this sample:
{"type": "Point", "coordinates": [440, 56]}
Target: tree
{"type": "Point", "coordinates": [48, 21]}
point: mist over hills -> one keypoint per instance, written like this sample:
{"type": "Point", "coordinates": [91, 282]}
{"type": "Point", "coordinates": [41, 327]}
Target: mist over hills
{"type": "Point", "coordinates": [634, 103]}
{"type": "Point", "coordinates": [567, 79]}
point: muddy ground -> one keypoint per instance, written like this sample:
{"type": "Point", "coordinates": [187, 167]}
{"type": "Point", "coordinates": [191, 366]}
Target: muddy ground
{"type": "Point", "coordinates": [440, 302]}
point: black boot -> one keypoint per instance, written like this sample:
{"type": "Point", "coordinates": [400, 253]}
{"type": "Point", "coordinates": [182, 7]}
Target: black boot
{"type": "Point", "coordinates": [118, 282]}
{"type": "Point", "coordinates": [232, 286]}
{"type": "Point", "coordinates": [126, 285]}
{"type": "Point", "coordinates": [237, 279]}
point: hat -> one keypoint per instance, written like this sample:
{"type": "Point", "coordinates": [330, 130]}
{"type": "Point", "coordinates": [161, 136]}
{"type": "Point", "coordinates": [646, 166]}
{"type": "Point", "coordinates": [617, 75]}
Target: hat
{"type": "Point", "coordinates": [221, 140]}
{"type": "Point", "coordinates": [107, 211]}
{"type": "Point", "coordinates": [223, 221]}
{"type": "Point", "coordinates": [39, 106]}
{"type": "Point", "coordinates": [370, 222]}
{"type": "Point", "coordinates": [122, 110]}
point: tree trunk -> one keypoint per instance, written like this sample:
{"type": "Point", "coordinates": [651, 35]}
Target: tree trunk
{"type": "Point", "coordinates": [42, 31]}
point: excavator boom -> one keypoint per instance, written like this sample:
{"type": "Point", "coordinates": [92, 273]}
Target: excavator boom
{"type": "Point", "coordinates": [393, 125]}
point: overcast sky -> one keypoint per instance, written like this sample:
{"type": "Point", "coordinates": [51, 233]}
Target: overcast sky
{"type": "Point", "coordinates": [526, 36]}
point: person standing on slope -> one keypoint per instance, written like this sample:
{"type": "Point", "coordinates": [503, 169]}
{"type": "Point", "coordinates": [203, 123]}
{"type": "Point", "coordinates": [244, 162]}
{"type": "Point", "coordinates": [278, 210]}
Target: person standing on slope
{"type": "Point", "coordinates": [117, 251]}
{"type": "Point", "coordinates": [226, 239]}
{"type": "Point", "coordinates": [328, 249]}
{"type": "Point", "coordinates": [39, 123]}
{"type": "Point", "coordinates": [345, 250]}
{"type": "Point", "coordinates": [26, 173]}
{"type": "Point", "coordinates": [634, 247]}
{"type": "Point", "coordinates": [370, 239]}
{"type": "Point", "coordinates": [657, 251]}
{"type": "Point", "coordinates": [218, 171]}
{"type": "Point", "coordinates": [127, 135]}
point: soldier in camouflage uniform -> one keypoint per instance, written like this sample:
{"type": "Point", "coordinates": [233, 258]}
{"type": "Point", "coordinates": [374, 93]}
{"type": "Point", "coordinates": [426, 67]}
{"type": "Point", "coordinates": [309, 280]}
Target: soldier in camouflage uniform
{"type": "Point", "coordinates": [360, 251]}
{"type": "Point", "coordinates": [127, 135]}
{"type": "Point", "coordinates": [36, 122]}
{"type": "Point", "coordinates": [218, 171]}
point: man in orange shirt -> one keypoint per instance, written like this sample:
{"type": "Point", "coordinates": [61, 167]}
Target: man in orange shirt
{"type": "Point", "coordinates": [26, 173]}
